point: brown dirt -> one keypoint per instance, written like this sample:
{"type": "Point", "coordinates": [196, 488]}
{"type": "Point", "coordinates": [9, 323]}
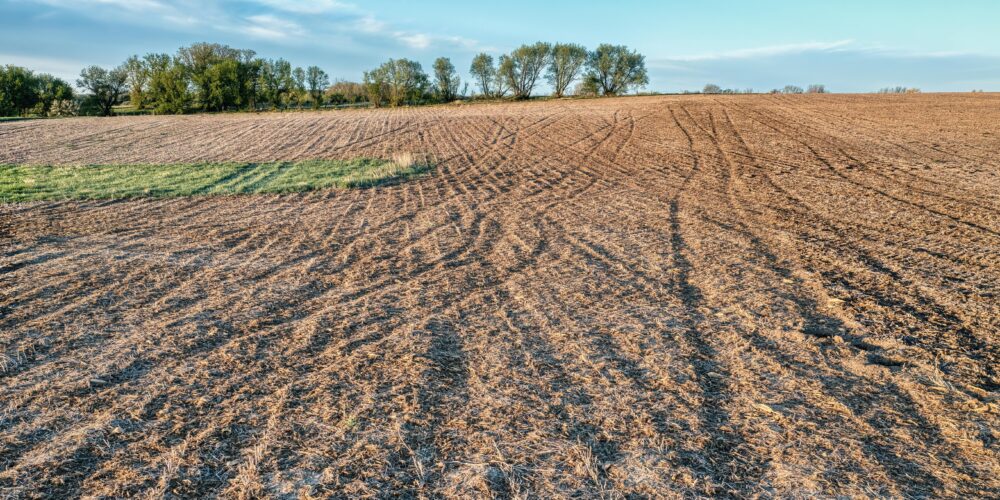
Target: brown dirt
{"type": "Point", "coordinates": [664, 296]}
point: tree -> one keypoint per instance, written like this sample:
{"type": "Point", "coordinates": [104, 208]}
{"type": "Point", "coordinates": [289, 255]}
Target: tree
{"type": "Point", "coordinates": [397, 81]}
{"type": "Point", "coordinates": [816, 89]}
{"type": "Point", "coordinates": [343, 92]}
{"type": "Point", "coordinates": [712, 88]}
{"type": "Point", "coordinates": [587, 87]}
{"type": "Point", "coordinates": [501, 84]}
{"type": "Point", "coordinates": [318, 81]}
{"type": "Point", "coordinates": [616, 69]}
{"type": "Point", "coordinates": [484, 73]}
{"type": "Point", "coordinates": [199, 59]}
{"type": "Point", "coordinates": [446, 80]}
{"type": "Point", "coordinates": [138, 78]}
{"type": "Point", "coordinates": [18, 90]}
{"type": "Point", "coordinates": [298, 90]}
{"type": "Point", "coordinates": [52, 92]}
{"type": "Point", "coordinates": [792, 89]}
{"type": "Point", "coordinates": [168, 88]}
{"type": "Point", "coordinates": [223, 85]}
{"type": "Point", "coordinates": [276, 81]}
{"type": "Point", "coordinates": [376, 84]}
{"type": "Point", "coordinates": [521, 69]}
{"type": "Point", "coordinates": [106, 87]}
{"type": "Point", "coordinates": [249, 79]}
{"type": "Point", "coordinates": [567, 61]}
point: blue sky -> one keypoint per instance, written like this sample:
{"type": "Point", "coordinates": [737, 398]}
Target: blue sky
{"type": "Point", "coordinates": [851, 46]}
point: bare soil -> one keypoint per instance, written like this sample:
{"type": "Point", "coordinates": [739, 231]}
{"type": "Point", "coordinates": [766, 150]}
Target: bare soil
{"type": "Point", "coordinates": [663, 296]}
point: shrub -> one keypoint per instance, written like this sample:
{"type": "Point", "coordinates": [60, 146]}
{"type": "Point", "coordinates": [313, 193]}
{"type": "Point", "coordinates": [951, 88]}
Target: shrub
{"type": "Point", "coordinates": [712, 88]}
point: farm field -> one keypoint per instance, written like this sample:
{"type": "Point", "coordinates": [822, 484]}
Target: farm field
{"type": "Point", "coordinates": [649, 296]}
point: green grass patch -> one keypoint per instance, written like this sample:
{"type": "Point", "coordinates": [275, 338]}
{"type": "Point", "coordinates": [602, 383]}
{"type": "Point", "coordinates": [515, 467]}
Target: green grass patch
{"type": "Point", "coordinates": [89, 182]}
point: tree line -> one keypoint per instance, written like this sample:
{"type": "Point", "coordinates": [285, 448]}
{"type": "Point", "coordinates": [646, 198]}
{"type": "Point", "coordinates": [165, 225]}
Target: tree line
{"type": "Point", "coordinates": [24, 92]}
{"type": "Point", "coordinates": [217, 77]}
{"type": "Point", "coordinates": [608, 70]}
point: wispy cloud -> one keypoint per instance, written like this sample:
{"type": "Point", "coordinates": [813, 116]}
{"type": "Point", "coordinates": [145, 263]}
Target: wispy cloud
{"type": "Point", "coordinates": [767, 51]}
{"type": "Point", "coordinates": [285, 22]}
{"type": "Point", "coordinates": [309, 6]}
{"type": "Point", "coordinates": [272, 27]}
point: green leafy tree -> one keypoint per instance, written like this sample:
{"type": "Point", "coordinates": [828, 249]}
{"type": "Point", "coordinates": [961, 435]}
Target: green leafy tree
{"type": "Point", "coordinates": [616, 69]}
{"type": "Point", "coordinates": [588, 87]}
{"type": "Point", "coordinates": [376, 84]}
{"type": "Point", "coordinates": [106, 87]}
{"type": "Point", "coordinates": [501, 85]}
{"type": "Point", "coordinates": [484, 73]}
{"type": "Point", "coordinates": [446, 79]}
{"type": "Point", "coordinates": [249, 79]}
{"type": "Point", "coordinates": [138, 80]}
{"type": "Point", "coordinates": [344, 92]}
{"type": "Point", "coordinates": [168, 89]}
{"type": "Point", "coordinates": [521, 69]}
{"type": "Point", "coordinates": [318, 81]}
{"type": "Point", "coordinates": [297, 93]}
{"type": "Point", "coordinates": [199, 59]}
{"type": "Point", "coordinates": [52, 91]}
{"type": "Point", "coordinates": [223, 85]}
{"type": "Point", "coordinates": [397, 81]}
{"type": "Point", "coordinates": [276, 82]}
{"type": "Point", "coordinates": [567, 61]}
{"type": "Point", "coordinates": [18, 90]}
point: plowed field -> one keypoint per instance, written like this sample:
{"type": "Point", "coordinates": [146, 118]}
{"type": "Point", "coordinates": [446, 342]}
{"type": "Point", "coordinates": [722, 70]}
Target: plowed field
{"type": "Point", "coordinates": [655, 296]}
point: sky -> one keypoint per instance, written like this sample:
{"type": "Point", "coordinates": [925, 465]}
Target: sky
{"type": "Point", "coordinates": [848, 45]}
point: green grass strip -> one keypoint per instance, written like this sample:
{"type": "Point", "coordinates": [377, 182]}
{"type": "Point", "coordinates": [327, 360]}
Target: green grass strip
{"type": "Point", "coordinates": [91, 182]}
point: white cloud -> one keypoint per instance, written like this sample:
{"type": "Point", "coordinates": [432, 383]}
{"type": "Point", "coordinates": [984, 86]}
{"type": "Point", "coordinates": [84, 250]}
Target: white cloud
{"type": "Point", "coordinates": [279, 21]}
{"type": "Point", "coordinates": [369, 24]}
{"type": "Point", "coordinates": [272, 27]}
{"type": "Point", "coordinates": [418, 41]}
{"type": "Point", "coordinates": [309, 6]}
{"type": "Point", "coordinates": [767, 51]}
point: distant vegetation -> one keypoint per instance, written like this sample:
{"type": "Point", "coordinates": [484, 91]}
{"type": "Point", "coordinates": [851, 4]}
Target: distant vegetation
{"type": "Point", "coordinates": [32, 182]}
{"type": "Point", "coordinates": [898, 90]}
{"type": "Point", "coordinates": [712, 88]}
{"type": "Point", "coordinates": [216, 77]}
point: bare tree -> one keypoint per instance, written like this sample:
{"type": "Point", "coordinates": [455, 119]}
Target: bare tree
{"type": "Point", "coordinates": [616, 70]}
{"type": "Point", "coordinates": [106, 87]}
{"type": "Point", "coordinates": [792, 89]}
{"type": "Point", "coordinates": [816, 89]}
{"type": "Point", "coordinates": [567, 61]}
{"type": "Point", "coordinates": [523, 66]}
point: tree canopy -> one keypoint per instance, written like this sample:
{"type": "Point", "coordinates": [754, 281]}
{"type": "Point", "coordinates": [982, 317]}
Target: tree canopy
{"type": "Point", "coordinates": [616, 70]}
